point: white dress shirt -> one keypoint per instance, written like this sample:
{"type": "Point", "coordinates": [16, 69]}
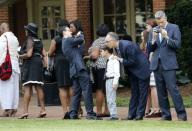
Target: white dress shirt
{"type": "Point", "coordinates": [113, 69]}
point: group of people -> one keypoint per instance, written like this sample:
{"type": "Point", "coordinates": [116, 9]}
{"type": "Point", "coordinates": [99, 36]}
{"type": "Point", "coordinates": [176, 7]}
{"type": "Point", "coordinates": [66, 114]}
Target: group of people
{"type": "Point", "coordinates": [150, 68]}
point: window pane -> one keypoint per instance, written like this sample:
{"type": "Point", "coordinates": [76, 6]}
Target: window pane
{"type": "Point", "coordinates": [52, 33]}
{"type": "Point", "coordinates": [110, 21]}
{"type": "Point", "coordinates": [51, 23]}
{"type": "Point", "coordinates": [120, 6]}
{"type": "Point", "coordinates": [140, 5]}
{"type": "Point", "coordinates": [50, 11]}
{"type": "Point", "coordinates": [121, 26]}
{"type": "Point", "coordinates": [57, 19]}
{"type": "Point", "coordinates": [109, 6]}
{"type": "Point", "coordinates": [57, 11]}
{"type": "Point", "coordinates": [143, 12]}
{"type": "Point", "coordinates": [44, 11]}
{"type": "Point", "coordinates": [45, 34]}
{"type": "Point", "coordinates": [44, 22]}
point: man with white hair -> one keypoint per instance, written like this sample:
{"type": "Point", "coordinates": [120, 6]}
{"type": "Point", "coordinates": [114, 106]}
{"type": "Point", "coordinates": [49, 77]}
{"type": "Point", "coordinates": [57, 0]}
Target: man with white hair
{"type": "Point", "coordinates": [166, 39]}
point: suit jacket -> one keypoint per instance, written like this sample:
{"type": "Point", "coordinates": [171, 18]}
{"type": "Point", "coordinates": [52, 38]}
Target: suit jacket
{"type": "Point", "coordinates": [134, 60]}
{"type": "Point", "coordinates": [166, 49]}
{"type": "Point", "coordinates": [73, 54]}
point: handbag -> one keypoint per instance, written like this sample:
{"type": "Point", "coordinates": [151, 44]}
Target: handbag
{"type": "Point", "coordinates": [6, 67]}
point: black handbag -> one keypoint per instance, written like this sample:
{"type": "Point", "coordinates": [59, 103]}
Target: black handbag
{"type": "Point", "coordinates": [49, 76]}
{"type": "Point", "coordinates": [49, 72]}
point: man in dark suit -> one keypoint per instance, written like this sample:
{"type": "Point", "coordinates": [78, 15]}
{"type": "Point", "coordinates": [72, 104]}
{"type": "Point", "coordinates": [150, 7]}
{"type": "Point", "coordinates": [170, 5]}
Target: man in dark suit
{"type": "Point", "coordinates": [166, 38]}
{"type": "Point", "coordinates": [78, 74]}
{"type": "Point", "coordinates": [137, 67]}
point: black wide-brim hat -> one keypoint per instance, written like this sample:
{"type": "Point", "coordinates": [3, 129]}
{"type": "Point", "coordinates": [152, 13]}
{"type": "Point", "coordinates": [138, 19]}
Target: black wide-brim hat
{"type": "Point", "coordinates": [31, 27]}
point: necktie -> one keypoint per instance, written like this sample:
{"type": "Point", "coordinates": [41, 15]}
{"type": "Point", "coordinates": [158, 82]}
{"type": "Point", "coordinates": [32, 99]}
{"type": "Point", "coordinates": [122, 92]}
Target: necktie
{"type": "Point", "coordinates": [160, 37]}
{"type": "Point", "coordinates": [116, 52]}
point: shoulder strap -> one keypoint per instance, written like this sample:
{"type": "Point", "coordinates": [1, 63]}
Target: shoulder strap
{"type": "Point", "coordinates": [7, 45]}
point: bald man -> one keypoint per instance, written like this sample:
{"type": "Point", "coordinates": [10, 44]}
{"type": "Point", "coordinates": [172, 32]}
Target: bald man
{"type": "Point", "coordinates": [9, 90]}
{"type": "Point", "coordinates": [4, 27]}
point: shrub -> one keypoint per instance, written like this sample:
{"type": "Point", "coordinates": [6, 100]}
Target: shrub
{"type": "Point", "coordinates": [180, 14]}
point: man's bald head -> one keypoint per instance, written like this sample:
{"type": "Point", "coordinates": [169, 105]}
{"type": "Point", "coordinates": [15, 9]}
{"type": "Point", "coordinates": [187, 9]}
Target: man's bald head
{"type": "Point", "coordinates": [4, 27]}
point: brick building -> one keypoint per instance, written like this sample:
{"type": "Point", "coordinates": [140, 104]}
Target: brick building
{"type": "Point", "coordinates": [122, 16]}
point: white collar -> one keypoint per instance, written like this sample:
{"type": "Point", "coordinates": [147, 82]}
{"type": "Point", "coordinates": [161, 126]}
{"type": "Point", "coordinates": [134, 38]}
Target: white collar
{"type": "Point", "coordinates": [110, 57]}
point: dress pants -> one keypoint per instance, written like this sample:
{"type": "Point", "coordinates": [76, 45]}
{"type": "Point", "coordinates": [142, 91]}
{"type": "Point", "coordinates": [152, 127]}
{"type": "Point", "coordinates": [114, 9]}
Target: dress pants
{"type": "Point", "coordinates": [139, 93]}
{"type": "Point", "coordinates": [81, 84]}
{"type": "Point", "coordinates": [111, 98]}
{"type": "Point", "coordinates": [166, 80]}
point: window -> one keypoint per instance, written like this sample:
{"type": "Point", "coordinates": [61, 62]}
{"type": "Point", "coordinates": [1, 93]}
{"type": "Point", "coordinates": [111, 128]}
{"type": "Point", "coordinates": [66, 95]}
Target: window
{"type": "Point", "coordinates": [50, 15]}
{"type": "Point", "coordinates": [115, 15]}
{"type": "Point", "coordinates": [143, 10]}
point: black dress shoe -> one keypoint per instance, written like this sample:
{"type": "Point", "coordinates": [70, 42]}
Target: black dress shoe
{"type": "Point", "coordinates": [99, 115]}
{"type": "Point", "coordinates": [75, 117]}
{"type": "Point", "coordinates": [92, 117]}
{"type": "Point", "coordinates": [182, 119]}
{"type": "Point", "coordinates": [138, 118]}
{"type": "Point", "coordinates": [106, 115]}
{"type": "Point", "coordinates": [114, 118]}
{"type": "Point", "coordinates": [129, 118]}
{"type": "Point", "coordinates": [166, 118]}
{"type": "Point", "coordinates": [66, 116]}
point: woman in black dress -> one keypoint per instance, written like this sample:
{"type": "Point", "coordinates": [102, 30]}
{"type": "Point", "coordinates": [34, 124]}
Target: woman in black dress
{"type": "Point", "coordinates": [61, 68]}
{"type": "Point", "coordinates": [32, 53]}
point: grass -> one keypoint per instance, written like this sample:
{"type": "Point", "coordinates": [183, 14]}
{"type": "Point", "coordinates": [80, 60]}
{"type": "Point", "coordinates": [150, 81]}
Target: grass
{"type": "Point", "coordinates": [124, 101]}
{"type": "Point", "coordinates": [85, 125]}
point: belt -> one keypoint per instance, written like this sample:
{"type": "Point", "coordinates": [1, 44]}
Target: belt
{"type": "Point", "coordinates": [107, 78]}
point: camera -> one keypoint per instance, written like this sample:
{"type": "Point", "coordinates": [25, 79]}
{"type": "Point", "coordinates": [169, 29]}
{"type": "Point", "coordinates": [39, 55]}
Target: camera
{"type": "Point", "coordinates": [156, 30]}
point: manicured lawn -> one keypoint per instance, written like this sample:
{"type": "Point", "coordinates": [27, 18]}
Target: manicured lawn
{"type": "Point", "coordinates": [124, 101]}
{"type": "Point", "coordinates": [85, 125]}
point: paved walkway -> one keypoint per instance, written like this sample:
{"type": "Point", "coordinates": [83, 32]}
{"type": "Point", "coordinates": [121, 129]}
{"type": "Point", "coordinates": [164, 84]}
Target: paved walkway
{"type": "Point", "coordinates": [55, 112]}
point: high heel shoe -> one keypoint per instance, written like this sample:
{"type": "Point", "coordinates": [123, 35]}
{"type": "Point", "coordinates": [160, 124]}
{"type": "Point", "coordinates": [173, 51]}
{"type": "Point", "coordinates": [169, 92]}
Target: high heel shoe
{"type": "Point", "coordinates": [13, 112]}
{"type": "Point", "coordinates": [42, 115]}
{"type": "Point", "coordinates": [24, 116]}
{"type": "Point", "coordinates": [66, 115]}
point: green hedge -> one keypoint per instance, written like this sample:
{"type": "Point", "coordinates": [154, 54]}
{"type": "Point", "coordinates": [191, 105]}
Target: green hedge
{"type": "Point", "coordinates": [181, 14]}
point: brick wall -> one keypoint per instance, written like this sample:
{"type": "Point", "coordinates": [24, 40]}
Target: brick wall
{"type": "Point", "coordinates": [161, 4]}
{"type": "Point", "coordinates": [80, 9]}
{"type": "Point", "coordinates": [158, 5]}
{"type": "Point", "coordinates": [4, 14]}
{"type": "Point", "coordinates": [71, 9]}
{"type": "Point", "coordinates": [169, 2]}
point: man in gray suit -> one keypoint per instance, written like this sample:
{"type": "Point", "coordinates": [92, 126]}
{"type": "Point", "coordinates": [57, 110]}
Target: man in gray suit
{"type": "Point", "coordinates": [166, 39]}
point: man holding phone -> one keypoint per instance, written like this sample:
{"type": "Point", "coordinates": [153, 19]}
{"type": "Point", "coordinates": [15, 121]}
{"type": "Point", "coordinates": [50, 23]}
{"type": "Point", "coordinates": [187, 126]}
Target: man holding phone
{"type": "Point", "coordinates": [165, 40]}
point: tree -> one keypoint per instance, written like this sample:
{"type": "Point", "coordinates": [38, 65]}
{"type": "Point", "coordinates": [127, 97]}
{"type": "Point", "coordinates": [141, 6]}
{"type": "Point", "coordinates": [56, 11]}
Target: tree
{"type": "Point", "coordinates": [181, 14]}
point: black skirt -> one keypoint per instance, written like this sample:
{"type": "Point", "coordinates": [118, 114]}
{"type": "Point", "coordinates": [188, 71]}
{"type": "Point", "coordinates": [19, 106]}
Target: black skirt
{"type": "Point", "coordinates": [98, 76]}
{"type": "Point", "coordinates": [32, 71]}
{"type": "Point", "coordinates": [62, 72]}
